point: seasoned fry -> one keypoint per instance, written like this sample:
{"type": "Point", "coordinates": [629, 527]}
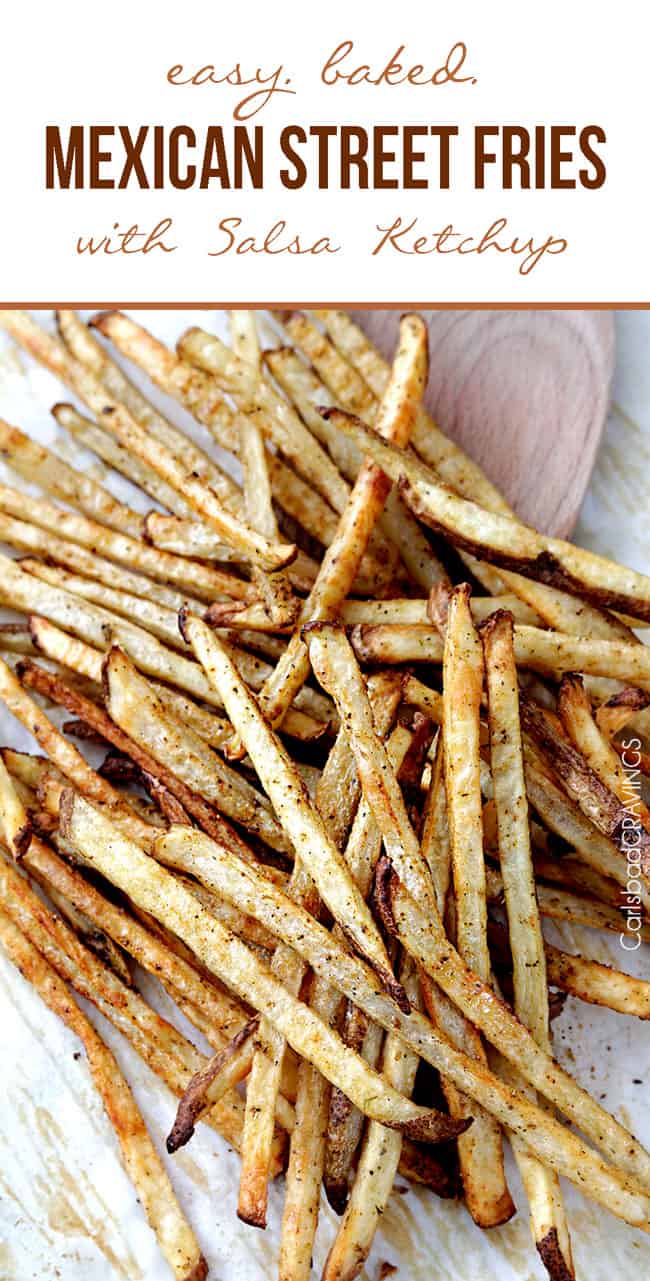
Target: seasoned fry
{"type": "Point", "coordinates": [377, 1164]}
{"type": "Point", "coordinates": [614, 714]}
{"type": "Point", "coordinates": [208, 583]}
{"type": "Point", "coordinates": [310, 396]}
{"type": "Point", "coordinates": [200, 496]}
{"type": "Point", "coordinates": [275, 416]}
{"type": "Point", "coordinates": [395, 611]}
{"type": "Point", "coordinates": [220, 1074]}
{"type": "Point", "coordinates": [101, 443]}
{"type": "Point", "coordinates": [99, 628]}
{"type": "Point", "coordinates": [462, 693]}
{"type": "Point", "coordinates": [159, 1043]}
{"type": "Point", "coordinates": [287, 794]}
{"type": "Point", "coordinates": [274, 589]}
{"type": "Point", "coordinates": [547, 1215]}
{"type": "Point", "coordinates": [38, 465]}
{"type": "Point", "coordinates": [67, 758]}
{"type": "Point", "coordinates": [117, 665]}
{"type": "Point", "coordinates": [334, 664]}
{"type": "Point", "coordinates": [594, 797]}
{"type": "Point", "coordinates": [14, 820]}
{"type": "Point", "coordinates": [598, 984]}
{"type": "Point", "coordinates": [184, 756]}
{"type": "Point", "coordinates": [154, 889]}
{"type": "Point", "coordinates": [574, 708]}
{"type": "Point", "coordinates": [343, 556]}
{"type": "Point", "coordinates": [142, 1163]}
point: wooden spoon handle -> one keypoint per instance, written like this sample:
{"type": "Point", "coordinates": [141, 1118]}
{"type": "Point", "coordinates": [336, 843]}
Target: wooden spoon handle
{"type": "Point", "coordinates": [525, 393]}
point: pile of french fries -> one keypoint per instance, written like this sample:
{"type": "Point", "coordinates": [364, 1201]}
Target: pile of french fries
{"type": "Point", "coordinates": [363, 731]}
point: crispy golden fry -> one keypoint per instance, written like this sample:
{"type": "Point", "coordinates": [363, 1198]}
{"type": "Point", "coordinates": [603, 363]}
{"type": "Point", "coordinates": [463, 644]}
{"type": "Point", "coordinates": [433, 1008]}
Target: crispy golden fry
{"type": "Point", "coordinates": [409, 612]}
{"type": "Point", "coordinates": [565, 905]}
{"type": "Point", "coordinates": [334, 664]}
{"type": "Point", "coordinates": [142, 1163]}
{"type": "Point", "coordinates": [145, 947]}
{"type": "Point", "coordinates": [101, 443]}
{"type": "Point", "coordinates": [154, 889]}
{"type": "Point", "coordinates": [184, 756]}
{"type": "Point", "coordinates": [574, 708]}
{"type": "Point", "coordinates": [219, 1075]}
{"type": "Point", "coordinates": [67, 758]}
{"type": "Point", "coordinates": [118, 674]}
{"type": "Point", "coordinates": [83, 345]}
{"type": "Point", "coordinates": [594, 797]}
{"type": "Point", "coordinates": [153, 617]}
{"type": "Point", "coordinates": [598, 984]}
{"type": "Point", "coordinates": [502, 540]}
{"type": "Point", "coordinates": [200, 496]}
{"type": "Point", "coordinates": [70, 527]}
{"type": "Point", "coordinates": [38, 465]}
{"type": "Point", "coordinates": [552, 1143]}
{"type": "Point", "coordinates": [99, 627]}
{"type": "Point", "coordinates": [377, 1164]}
{"type": "Point", "coordinates": [562, 816]}
{"type": "Point", "coordinates": [15, 639]}
{"type": "Point", "coordinates": [275, 415]}
{"type": "Point", "coordinates": [157, 1041]}
{"type": "Point", "coordinates": [343, 556]}
{"type": "Point", "coordinates": [14, 820]}
{"type": "Point", "coordinates": [550, 653]}
{"type": "Point", "coordinates": [287, 794]}
{"type": "Point", "coordinates": [309, 396]}
{"type": "Point", "coordinates": [436, 449]}
{"type": "Point", "coordinates": [431, 949]}
{"type": "Point", "coordinates": [462, 693]}
{"type": "Point", "coordinates": [274, 589]}
{"type": "Point", "coordinates": [547, 1215]}
{"type": "Point", "coordinates": [613, 715]}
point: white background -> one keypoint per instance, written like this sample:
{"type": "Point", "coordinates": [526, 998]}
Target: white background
{"type": "Point", "coordinates": [564, 63]}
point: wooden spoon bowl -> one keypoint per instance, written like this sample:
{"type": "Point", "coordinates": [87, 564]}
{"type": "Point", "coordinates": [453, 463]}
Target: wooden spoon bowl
{"type": "Point", "coordinates": [525, 393]}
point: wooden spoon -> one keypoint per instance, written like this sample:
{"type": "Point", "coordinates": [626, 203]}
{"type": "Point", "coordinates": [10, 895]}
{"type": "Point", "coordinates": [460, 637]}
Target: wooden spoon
{"type": "Point", "coordinates": [525, 393]}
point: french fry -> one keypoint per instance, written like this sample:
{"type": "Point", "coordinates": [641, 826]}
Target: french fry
{"type": "Point", "coordinates": [562, 905]}
{"type": "Point", "coordinates": [208, 583]}
{"type": "Point", "coordinates": [154, 889]}
{"type": "Point", "coordinates": [158, 1041]}
{"type": "Point", "coordinates": [501, 540]}
{"type": "Point", "coordinates": [409, 612]}
{"type": "Point", "coordinates": [309, 396]}
{"type": "Point", "coordinates": [562, 816]}
{"type": "Point", "coordinates": [574, 708]}
{"type": "Point", "coordinates": [274, 589]}
{"type": "Point", "coordinates": [343, 556]}
{"type": "Point", "coordinates": [275, 416]}
{"type": "Point", "coordinates": [462, 693]}
{"type": "Point", "coordinates": [40, 466]}
{"type": "Point", "coordinates": [129, 934]}
{"type": "Point", "coordinates": [287, 794]}
{"type": "Point", "coordinates": [200, 496]}
{"type": "Point", "coordinates": [613, 715]}
{"type": "Point", "coordinates": [583, 784]}
{"type": "Point", "coordinates": [99, 628]}
{"type": "Point", "coordinates": [67, 758]}
{"type": "Point", "coordinates": [551, 1142]}
{"type": "Point", "coordinates": [101, 443]}
{"type": "Point", "coordinates": [14, 819]}
{"type": "Point", "coordinates": [547, 1214]}
{"type": "Point", "coordinates": [598, 984]}
{"type": "Point", "coordinates": [142, 1163]}
{"type": "Point", "coordinates": [334, 664]}
{"type": "Point", "coordinates": [116, 663]}
{"type": "Point", "coordinates": [377, 1164]}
